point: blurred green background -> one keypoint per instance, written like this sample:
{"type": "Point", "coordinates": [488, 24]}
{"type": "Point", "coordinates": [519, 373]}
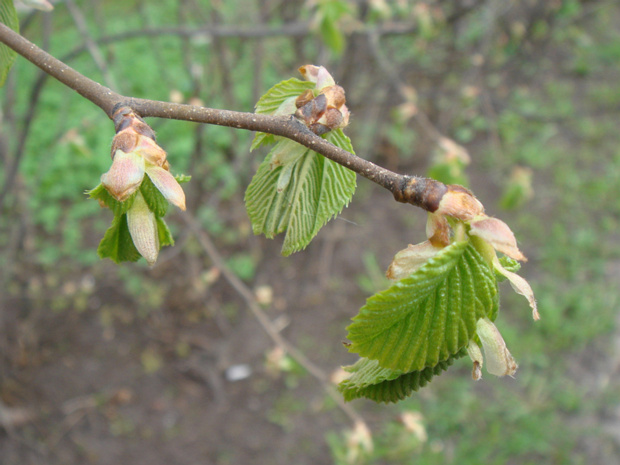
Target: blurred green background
{"type": "Point", "coordinates": [105, 364]}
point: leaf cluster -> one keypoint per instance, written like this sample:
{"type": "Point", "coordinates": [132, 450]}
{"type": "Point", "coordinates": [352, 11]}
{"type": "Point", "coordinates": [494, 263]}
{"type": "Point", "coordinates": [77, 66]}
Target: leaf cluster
{"type": "Point", "coordinates": [415, 330]}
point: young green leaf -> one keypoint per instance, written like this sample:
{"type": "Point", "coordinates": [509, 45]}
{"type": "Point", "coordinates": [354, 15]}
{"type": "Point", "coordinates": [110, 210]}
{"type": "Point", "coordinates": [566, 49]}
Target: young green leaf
{"type": "Point", "coordinates": [370, 380]}
{"type": "Point", "coordinates": [8, 16]}
{"type": "Point", "coordinates": [118, 208]}
{"type": "Point", "coordinates": [429, 316]}
{"type": "Point", "coordinates": [279, 99]}
{"type": "Point", "coordinates": [153, 197]}
{"type": "Point", "coordinates": [301, 196]}
{"type": "Point", "coordinates": [165, 236]}
{"type": "Point", "coordinates": [282, 92]}
{"type": "Point", "coordinates": [117, 244]}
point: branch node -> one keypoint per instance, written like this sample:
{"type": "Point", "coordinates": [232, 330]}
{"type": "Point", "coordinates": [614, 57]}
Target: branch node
{"type": "Point", "coordinates": [422, 192]}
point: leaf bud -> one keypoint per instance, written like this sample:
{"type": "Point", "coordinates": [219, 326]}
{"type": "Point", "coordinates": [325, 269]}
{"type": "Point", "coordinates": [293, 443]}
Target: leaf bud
{"type": "Point", "coordinates": [143, 229]}
{"type": "Point", "coordinates": [125, 175]}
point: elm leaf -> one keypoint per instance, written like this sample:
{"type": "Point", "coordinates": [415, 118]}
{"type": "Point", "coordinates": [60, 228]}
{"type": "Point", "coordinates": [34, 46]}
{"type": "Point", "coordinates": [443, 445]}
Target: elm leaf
{"type": "Point", "coordinates": [429, 316]}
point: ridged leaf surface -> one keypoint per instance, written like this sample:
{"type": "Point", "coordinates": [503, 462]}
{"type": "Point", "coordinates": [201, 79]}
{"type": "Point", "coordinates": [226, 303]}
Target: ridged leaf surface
{"type": "Point", "coordinates": [431, 315]}
{"type": "Point", "coordinates": [373, 382]}
{"type": "Point", "coordinates": [315, 189]}
{"type": "Point", "coordinates": [303, 192]}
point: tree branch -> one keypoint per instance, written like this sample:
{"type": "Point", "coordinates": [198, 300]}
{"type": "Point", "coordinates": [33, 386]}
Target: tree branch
{"type": "Point", "coordinates": [421, 192]}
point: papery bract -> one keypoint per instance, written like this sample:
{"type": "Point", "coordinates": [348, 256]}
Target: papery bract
{"type": "Point", "coordinates": [474, 352]}
{"type": "Point", "coordinates": [498, 234]}
{"type": "Point", "coordinates": [520, 285]}
{"type": "Point", "coordinates": [143, 229]}
{"type": "Point", "coordinates": [459, 203]}
{"type": "Point", "coordinates": [499, 361]}
{"type": "Point", "coordinates": [409, 260]}
{"type": "Point", "coordinates": [167, 185]}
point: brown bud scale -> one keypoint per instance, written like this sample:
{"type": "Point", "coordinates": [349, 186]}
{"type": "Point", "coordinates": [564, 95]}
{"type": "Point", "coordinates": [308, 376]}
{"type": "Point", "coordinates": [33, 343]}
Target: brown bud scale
{"type": "Point", "coordinates": [312, 110]}
{"type": "Point", "coordinates": [335, 96]}
{"type": "Point", "coordinates": [304, 98]}
{"type": "Point", "coordinates": [126, 141]}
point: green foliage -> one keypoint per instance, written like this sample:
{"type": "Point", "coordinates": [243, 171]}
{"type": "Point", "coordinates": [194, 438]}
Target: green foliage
{"type": "Point", "coordinates": [430, 316]}
{"type": "Point", "coordinates": [101, 194]}
{"type": "Point", "coordinates": [374, 382]}
{"type": "Point", "coordinates": [295, 189]}
{"type": "Point", "coordinates": [154, 199]}
{"type": "Point", "coordinates": [8, 16]}
{"type": "Point", "coordinates": [117, 243]}
{"type": "Point", "coordinates": [282, 92]}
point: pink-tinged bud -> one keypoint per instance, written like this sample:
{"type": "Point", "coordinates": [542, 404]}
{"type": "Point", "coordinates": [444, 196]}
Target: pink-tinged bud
{"type": "Point", "coordinates": [409, 260]}
{"type": "Point", "coordinates": [127, 141]}
{"type": "Point", "coordinates": [125, 175]}
{"type": "Point", "coordinates": [474, 352]}
{"type": "Point", "coordinates": [520, 286]}
{"type": "Point", "coordinates": [317, 74]}
{"type": "Point", "coordinates": [438, 230]}
{"type": "Point", "coordinates": [459, 203]}
{"type": "Point", "coordinates": [167, 185]}
{"type": "Point", "coordinates": [143, 229]}
{"type": "Point", "coordinates": [499, 361]}
{"type": "Point", "coordinates": [498, 234]}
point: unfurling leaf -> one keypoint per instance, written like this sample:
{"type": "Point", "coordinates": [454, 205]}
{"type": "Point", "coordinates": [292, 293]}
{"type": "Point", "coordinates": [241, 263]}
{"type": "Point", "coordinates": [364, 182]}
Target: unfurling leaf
{"type": "Point", "coordinates": [143, 229]}
{"type": "Point", "coordinates": [300, 197]}
{"type": "Point", "coordinates": [117, 244]}
{"type": "Point", "coordinates": [276, 97]}
{"type": "Point", "coordinates": [296, 190]}
{"type": "Point", "coordinates": [430, 316]}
